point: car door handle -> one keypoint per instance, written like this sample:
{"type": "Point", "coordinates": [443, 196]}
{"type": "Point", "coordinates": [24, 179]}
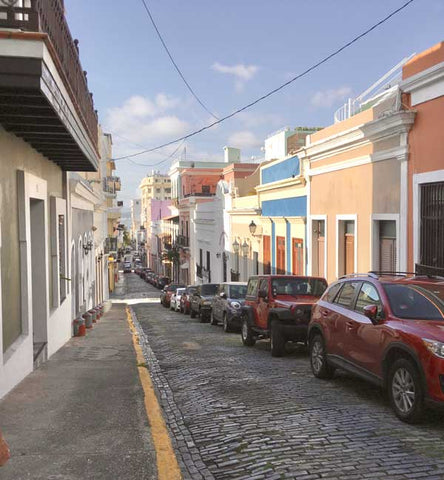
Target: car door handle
{"type": "Point", "coordinates": [351, 326]}
{"type": "Point", "coordinates": [324, 313]}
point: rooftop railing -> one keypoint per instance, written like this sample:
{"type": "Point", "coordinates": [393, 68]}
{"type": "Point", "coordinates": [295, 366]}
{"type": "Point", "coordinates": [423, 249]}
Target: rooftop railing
{"type": "Point", "coordinates": [48, 16]}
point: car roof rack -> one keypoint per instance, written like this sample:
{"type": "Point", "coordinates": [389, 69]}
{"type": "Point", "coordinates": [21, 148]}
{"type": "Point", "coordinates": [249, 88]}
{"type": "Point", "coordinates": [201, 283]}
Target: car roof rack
{"type": "Point", "coordinates": [393, 273]}
{"type": "Point", "coordinates": [367, 274]}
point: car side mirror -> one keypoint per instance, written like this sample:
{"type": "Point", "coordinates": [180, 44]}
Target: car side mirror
{"type": "Point", "coordinates": [371, 311]}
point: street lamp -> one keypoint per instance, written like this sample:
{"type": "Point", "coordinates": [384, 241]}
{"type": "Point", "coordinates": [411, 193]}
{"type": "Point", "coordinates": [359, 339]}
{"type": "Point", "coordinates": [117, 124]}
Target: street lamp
{"type": "Point", "coordinates": [236, 246]}
{"type": "Point", "coordinates": [245, 249]}
{"type": "Point", "coordinates": [252, 227]}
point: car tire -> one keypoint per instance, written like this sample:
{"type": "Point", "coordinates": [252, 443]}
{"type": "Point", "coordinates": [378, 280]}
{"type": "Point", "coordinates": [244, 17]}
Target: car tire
{"type": "Point", "coordinates": [192, 313]}
{"type": "Point", "coordinates": [213, 320]}
{"type": "Point", "coordinates": [277, 340]}
{"type": "Point", "coordinates": [247, 334]}
{"type": "Point", "coordinates": [226, 323]}
{"type": "Point", "coordinates": [318, 359]}
{"type": "Point", "coordinates": [406, 391]}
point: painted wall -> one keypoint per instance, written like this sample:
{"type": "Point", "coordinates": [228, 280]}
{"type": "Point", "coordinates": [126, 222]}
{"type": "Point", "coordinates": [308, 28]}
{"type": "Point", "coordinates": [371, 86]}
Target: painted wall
{"type": "Point", "coordinates": [281, 170]}
{"type": "Point", "coordinates": [15, 155]}
{"type": "Point", "coordinates": [425, 94]}
{"type": "Point", "coordinates": [286, 207]}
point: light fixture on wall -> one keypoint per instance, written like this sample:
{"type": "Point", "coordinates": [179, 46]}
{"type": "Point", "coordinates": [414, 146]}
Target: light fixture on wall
{"type": "Point", "coordinates": [85, 249]}
{"type": "Point", "coordinates": [252, 227]}
{"type": "Point", "coordinates": [236, 246]}
{"type": "Point", "coordinates": [218, 255]}
{"type": "Point", "coordinates": [245, 249]}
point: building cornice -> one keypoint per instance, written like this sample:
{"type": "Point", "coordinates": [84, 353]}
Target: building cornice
{"type": "Point", "coordinates": [423, 79]}
{"type": "Point", "coordinates": [398, 153]}
{"type": "Point", "coordinates": [388, 125]}
{"type": "Point", "coordinates": [288, 182]}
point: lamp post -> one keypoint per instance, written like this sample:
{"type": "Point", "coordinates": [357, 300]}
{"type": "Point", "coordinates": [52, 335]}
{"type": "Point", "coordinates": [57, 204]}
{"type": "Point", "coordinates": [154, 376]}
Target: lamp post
{"type": "Point", "coordinates": [252, 227]}
{"type": "Point", "coordinates": [245, 249]}
{"type": "Point", "coordinates": [236, 246]}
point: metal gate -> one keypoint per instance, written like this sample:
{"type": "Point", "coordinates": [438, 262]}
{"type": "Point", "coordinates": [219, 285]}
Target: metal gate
{"type": "Point", "coordinates": [432, 225]}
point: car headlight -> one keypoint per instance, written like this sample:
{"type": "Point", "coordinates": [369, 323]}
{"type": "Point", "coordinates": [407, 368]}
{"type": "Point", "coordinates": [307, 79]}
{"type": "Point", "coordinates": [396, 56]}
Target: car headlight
{"type": "Point", "coordinates": [206, 302]}
{"type": "Point", "coordinates": [235, 305]}
{"type": "Point", "coordinates": [435, 347]}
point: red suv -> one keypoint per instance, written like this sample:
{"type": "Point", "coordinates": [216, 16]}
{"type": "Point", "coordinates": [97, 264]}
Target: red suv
{"type": "Point", "coordinates": [278, 307]}
{"type": "Point", "coordinates": [388, 330]}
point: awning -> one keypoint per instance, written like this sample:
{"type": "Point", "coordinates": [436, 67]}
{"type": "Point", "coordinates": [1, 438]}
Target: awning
{"type": "Point", "coordinates": [171, 217]}
{"type": "Point", "coordinates": [184, 266]}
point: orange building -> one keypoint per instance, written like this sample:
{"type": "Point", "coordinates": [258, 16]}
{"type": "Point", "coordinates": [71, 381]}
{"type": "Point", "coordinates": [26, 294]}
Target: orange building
{"type": "Point", "coordinates": [423, 85]}
{"type": "Point", "coordinates": [358, 188]}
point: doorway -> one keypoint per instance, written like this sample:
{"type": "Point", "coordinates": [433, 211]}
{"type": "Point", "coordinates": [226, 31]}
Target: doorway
{"type": "Point", "coordinates": [38, 279]}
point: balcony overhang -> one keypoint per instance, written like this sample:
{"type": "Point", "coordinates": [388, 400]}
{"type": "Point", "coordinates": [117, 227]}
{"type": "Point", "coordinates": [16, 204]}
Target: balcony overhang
{"type": "Point", "coordinates": [35, 106]}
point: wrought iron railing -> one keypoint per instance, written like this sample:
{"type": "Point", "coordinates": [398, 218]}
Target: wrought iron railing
{"type": "Point", "coordinates": [182, 241]}
{"type": "Point", "coordinates": [47, 16]}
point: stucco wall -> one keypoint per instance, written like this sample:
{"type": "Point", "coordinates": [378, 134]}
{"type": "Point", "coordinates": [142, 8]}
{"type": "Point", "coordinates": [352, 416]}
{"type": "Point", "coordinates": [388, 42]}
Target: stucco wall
{"type": "Point", "coordinates": [360, 191]}
{"type": "Point", "coordinates": [15, 155]}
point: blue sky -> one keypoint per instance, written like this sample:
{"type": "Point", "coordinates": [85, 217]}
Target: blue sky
{"type": "Point", "coordinates": [231, 52]}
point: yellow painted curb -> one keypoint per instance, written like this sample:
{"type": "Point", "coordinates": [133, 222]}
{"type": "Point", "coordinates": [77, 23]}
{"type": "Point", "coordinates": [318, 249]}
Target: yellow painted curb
{"type": "Point", "coordinates": [167, 466]}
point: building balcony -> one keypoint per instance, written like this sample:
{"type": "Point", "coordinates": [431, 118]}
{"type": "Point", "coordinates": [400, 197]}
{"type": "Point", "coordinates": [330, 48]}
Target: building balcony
{"type": "Point", "coordinates": [44, 95]}
{"type": "Point", "coordinates": [111, 185]}
{"type": "Point", "coordinates": [199, 194]}
{"type": "Point", "coordinates": [182, 241]}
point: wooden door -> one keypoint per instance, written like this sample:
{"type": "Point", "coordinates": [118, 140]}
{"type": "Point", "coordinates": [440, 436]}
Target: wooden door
{"type": "Point", "coordinates": [298, 256]}
{"type": "Point", "coordinates": [280, 255]}
{"type": "Point", "coordinates": [266, 255]}
{"type": "Point", "coordinates": [349, 253]}
{"type": "Point", "coordinates": [321, 256]}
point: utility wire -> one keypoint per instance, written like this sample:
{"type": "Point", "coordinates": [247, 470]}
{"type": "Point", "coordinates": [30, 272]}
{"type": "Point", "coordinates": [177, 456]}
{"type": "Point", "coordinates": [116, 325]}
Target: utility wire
{"type": "Point", "coordinates": [174, 63]}
{"type": "Point", "coordinates": [272, 92]}
{"type": "Point", "coordinates": [161, 161]}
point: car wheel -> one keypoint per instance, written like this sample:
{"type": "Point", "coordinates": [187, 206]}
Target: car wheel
{"type": "Point", "coordinates": [192, 313]}
{"type": "Point", "coordinates": [318, 359]}
{"type": "Point", "coordinates": [406, 391]}
{"type": "Point", "coordinates": [247, 334]}
{"type": "Point", "coordinates": [213, 320]}
{"type": "Point", "coordinates": [277, 340]}
{"type": "Point", "coordinates": [226, 323]}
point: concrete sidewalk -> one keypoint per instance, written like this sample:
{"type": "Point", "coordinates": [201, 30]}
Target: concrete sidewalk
{"type": "Point", "coordinates": [81, 415]}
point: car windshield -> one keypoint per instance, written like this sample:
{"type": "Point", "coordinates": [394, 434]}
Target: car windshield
{"type": "Point", "coordinates": [191, 290]}
{"type": "Point", "coordinates": [413, 301]}
{"type": "Point", "coordinates": [209, 289]}
{"type": "Point", "coordinates": [238, 291]}
{"type": "Point", "coordinates": [298, 286]}
{"type": "Point", "coordinates": [179, 291]}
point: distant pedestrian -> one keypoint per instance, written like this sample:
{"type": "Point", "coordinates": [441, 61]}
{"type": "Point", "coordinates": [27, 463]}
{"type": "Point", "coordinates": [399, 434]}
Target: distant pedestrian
{"type": "Point", "coordinates": [5, 454]}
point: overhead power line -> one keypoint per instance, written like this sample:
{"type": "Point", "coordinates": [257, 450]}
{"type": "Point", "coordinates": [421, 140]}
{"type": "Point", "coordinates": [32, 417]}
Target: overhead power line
{"type": "Point", "coordinates": [272, 92]}
{"type": "Point", "coordinates": [161, 161]}
{"type": "Point", "coordinates": [174, 63]}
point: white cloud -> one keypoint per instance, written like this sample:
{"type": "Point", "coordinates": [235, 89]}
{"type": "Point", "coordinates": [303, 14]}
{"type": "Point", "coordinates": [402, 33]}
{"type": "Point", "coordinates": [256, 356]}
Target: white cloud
{"type": "Point", "coordinates": [244, 140]}
{"type": "Point", "coordinates": [242, 73]}
{"type": "Point", "coordinates": [144, 121]}
{"type": "Point", "coordinates": [327, 98]}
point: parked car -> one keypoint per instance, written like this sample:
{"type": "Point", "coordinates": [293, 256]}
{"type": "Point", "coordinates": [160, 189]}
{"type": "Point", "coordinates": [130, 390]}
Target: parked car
{"type": "Point", "coordinates": [185, 300]}
{"type": "Point", "coordinates": [175, 299]}
{"type": "Point", "coordinates": [279, 307]}
{"type": "Point", "coordinates": [162, 282]}
{"type": "Point", "coordinates": [167, 292]}
{"type": "Point", "coordinates": [227, 305]}
{"type": "Point", "coordinates": [201, 301]}
{"type": "Point", "coordinates": [127, 267]}
{"type": "Point", "coordinates": [144, 272]}
{"type": "Point", "coordinates": [388, 329]}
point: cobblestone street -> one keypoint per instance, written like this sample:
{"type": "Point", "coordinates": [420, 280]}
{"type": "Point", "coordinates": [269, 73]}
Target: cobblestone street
{"type": "Point", "coordinates": [237, 413]}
